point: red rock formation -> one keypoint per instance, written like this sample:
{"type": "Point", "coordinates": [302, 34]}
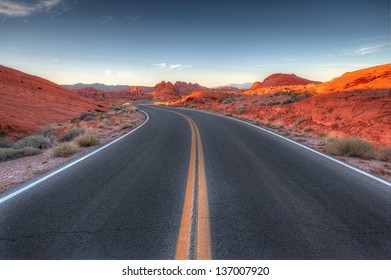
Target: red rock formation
{"type": "Point", "coordinates": [164, 89]}
{"type": "Point", "coordinates": [28, 102]}
{"type": "Point", "coordinates": [183, 88]}
{"type": "Point", "coordinates": [282, 80]}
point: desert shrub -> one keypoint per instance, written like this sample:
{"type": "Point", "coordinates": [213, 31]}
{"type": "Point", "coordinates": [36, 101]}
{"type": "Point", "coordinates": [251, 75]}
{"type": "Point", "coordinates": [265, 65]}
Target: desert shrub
{"type": "Point", "coordinates": [321, 134]}
{"type": "Point", "coordinates": [64, 150]}
{"type": "Point", "coordinates": [34, 141]}
{"type": "Point", "coordinates": [30, 151]}
{"type": "Point", "coordinates": [350, 146]}
{"type": "Point", "coordinates": [279, 93]}
{"type": "Point", "coordinates": [76, 120]}
{"type": "Point", "coordinates": [85, 115]}
{"type": "Point", "coordinates": [384, 153]}
{"type": "Point", "coordinates": [72, 134]}
{"type": "Point", "coordinates": [117, 108]}
{"type": "Point", "coordinates": [3, 133]}
{"type": "Point", "coordinates": [47, 131]}
{"type": "Point", "coordinates": [6, 143]}
{"type": "Point", "coordinates": [191, 105]}
{"type": "Point", "coordinates": [87, 139]}
{"type": "Point", "coordinates": [307, 129]}
{"type": "Point", "coordinates": [299, 121]}
{"type": "Point", "coordinates": [126, 127]}
{"type": "Point", "coordinates": [270, 103]}
{"type": "Point", "coordinates": [10, 153]}
{"type": "Point", "coordinates": [241, 109]}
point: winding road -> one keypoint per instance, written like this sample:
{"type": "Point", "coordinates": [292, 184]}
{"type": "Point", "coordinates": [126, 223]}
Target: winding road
{"type": "Point", "coordinates": [193, 185]}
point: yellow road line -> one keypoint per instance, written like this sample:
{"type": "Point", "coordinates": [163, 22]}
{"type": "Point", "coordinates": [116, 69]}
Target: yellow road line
{"type": "Point", "coordinates": [202, 243]}
{"type": "Point", "coordinates": [203, 250]}
{"type": "Point", "coordinates": [184, 237]}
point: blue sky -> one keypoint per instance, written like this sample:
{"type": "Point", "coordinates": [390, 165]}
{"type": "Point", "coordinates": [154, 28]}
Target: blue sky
{"type": "Point", "coordinates": [210, 42]}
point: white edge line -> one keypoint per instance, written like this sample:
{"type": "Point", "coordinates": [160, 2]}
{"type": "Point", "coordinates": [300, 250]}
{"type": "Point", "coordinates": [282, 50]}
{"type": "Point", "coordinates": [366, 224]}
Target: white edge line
{"type": "Point", "coordinates": [15, 193]}
{"type": "Point", "coordinates": [301, 145]}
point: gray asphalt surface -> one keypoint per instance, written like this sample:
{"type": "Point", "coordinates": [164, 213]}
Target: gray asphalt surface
{"type": "Point", "coordinates": [268, 199]}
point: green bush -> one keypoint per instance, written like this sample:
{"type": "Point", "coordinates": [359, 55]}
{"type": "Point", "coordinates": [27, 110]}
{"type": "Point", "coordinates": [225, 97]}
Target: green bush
{"type": "Point", "coordinates": [35, 141]}
{"type": "Point", "coordinates": [350, 146]}
{"type": "Point", "coordinates": [72, 134]}
{"type": "Point", "coordinates": [3, 133]}
{"type": "Point", "coordinates": [10, 153]}
{"type": "Point", "coordinates": [64, 150]}
{"type": "Point", "coordinates": [87, 139]}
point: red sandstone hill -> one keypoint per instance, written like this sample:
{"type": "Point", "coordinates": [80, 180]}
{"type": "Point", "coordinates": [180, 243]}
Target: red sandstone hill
{"type": "Point", "coordinates": [377, 77]}
{"type": "Point", "coordinates": [28, 102]}
{"type": "Point", "coordinates": [282, 80]}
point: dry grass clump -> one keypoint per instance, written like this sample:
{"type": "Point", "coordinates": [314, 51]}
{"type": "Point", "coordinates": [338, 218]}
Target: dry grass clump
{"type": "Point", "coordinates": [72, 134]}
{"type": "Point", "coordinates": [64, 149]}
{"type": "Point", "coordinates": [350, 146]}
{"type": "Point", "coordinates": [34, 141]}
{"type": "Point", "coordinates": [384, 153]}
{"type": "Point", "coordinates": [88, 139]}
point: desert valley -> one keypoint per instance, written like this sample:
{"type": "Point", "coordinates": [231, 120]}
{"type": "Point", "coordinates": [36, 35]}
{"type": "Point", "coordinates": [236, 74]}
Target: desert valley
{"type": "Point", "coordinates": [353, 107]}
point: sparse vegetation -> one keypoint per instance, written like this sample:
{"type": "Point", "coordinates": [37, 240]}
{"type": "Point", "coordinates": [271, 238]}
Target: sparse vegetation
{"type": "Point", "coordinates": [6, 143]}
{"type": "Point", "coordinates": [350, 146]}
{"type": "Point", "coordinates": [87, 139]}
{"type": "Point", "coordinates": [64, 150]}
{"type": "Point", "coordinates": [307, 129]}
{"type": "Point", "coordinates": [3, 133]}
{"type": "Point", "coordinates": [384, 153]}
{"type": "Point", "coordinates": [191, 105]}
{"type": "Point", "coordinates": [72, 134]}
{"type": "Point", "coordinates": [84, 116]}
{"type": "Point", "coordinates": [30, 151]}
{"type": "Point", "coordinates": [76, 120]}
{"type": "Point", "coordinates": [241, 109]}
{"type": "Point", "coordinates": [47, 131]}
{"type": "Point", "coordinates": [34, 141]}
{"type": "Point", "coordinates": [10, 153]}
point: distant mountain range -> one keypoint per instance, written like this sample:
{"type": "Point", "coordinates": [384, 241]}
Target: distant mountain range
{"type": "Point", "coordinates": [98, 86]}
{"type": "Point", "coordinates": [241, 86]}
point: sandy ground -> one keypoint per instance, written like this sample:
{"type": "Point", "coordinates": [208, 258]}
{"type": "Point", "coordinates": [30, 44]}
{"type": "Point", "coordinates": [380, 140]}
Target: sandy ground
{"type": "Point", "coordinates": [112, 125]}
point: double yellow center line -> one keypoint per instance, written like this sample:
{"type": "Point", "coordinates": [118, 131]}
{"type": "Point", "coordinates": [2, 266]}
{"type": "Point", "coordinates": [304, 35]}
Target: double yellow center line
{"type": "Point", "coordinates": [194, 232]}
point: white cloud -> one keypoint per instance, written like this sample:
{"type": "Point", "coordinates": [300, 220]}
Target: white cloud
{"type": "Point", "coordinates": [106, 20]}
{"type": "Point", "coordinates": [359, 51]}
{"type": "Point", "coordinates": [19, 51]}
{"type": "Point", "coordinates": [160, 66]}
{"type": "Point", "coordinates": [14, 9]}
{"type": "Point", "coordinates": [165, 68]}
{"type": "Point", "coordinates": [368, 50]}
{"type": "Point", "coordinates": [134, 19]}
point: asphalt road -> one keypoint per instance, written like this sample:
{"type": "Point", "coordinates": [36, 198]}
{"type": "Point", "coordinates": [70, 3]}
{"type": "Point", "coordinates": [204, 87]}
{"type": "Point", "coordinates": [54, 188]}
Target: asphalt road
{"type": "Point", "coordinates": [204, 186]}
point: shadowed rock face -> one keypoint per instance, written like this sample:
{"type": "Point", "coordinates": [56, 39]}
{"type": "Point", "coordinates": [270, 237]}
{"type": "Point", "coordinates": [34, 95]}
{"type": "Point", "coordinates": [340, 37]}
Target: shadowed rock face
{"type": "Point", "coordinates": [282, 80]}
{"type": "Point", "coordinates": [28, 102]}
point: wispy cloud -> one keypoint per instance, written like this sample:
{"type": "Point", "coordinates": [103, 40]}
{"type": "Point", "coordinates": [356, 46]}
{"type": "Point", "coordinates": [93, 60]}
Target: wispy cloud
{"type": "Point", "coordinates": [21, 9]}
{"type": "Point", "coordinates": [360, 50]}
{"type": "Point", "coordinates": [18, 51]}
{"type": "Point", "coordinates": [129, 19]}
{"type": "Point", "coordinates": [368, 50]}
{"type": "Point", "coordinates": [106, 19]}
{"type": "Point", "coordinates": [165, 68]}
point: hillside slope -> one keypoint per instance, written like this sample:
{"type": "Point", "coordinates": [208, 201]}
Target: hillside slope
{"type": "Point", "coordinates": [28, 102]}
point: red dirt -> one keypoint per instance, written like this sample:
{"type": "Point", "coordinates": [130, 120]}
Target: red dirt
{"type": "Point", "coordinates": [29, 102]}
{"type": "Point", "coordinates": [355, 104]}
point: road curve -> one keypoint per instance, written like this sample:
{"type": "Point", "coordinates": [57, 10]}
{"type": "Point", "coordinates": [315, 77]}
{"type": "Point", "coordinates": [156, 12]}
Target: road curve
{"type": "Point", "coordinates": [250, 195]}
